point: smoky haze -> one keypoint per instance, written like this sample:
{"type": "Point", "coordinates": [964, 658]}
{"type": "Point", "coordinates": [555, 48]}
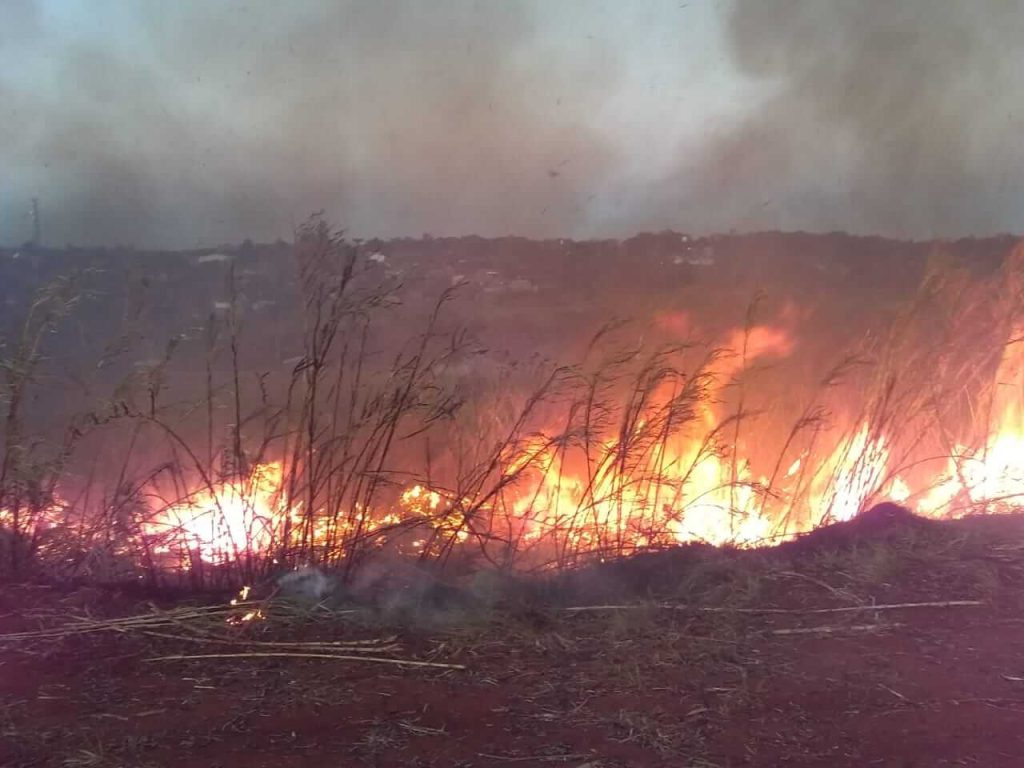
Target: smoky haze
{"type": "Point", "coordinates": [204, 122]}
{"type": "Point", "coordinates": [234, 119]}
{"type": "Point", "coordinates": [894, 117]}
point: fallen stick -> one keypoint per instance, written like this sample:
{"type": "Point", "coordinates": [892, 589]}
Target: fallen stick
{"type": "Point", "coordinates": [628, 607]}
{"type": "Point", "coordinates": [817, 582]}
{"type": "Point", "coordinates": [336, 656]}
{"type": "Point", "coordinates": [842, 609]}
{"type": "Point", "coordinates": [81, 625]}
{"type": "Point", "coordinates": [894, 692]}
{"type": "Point", "coordinates": [533, 759]}
{"type": "Point", "coordinates": [67, 631]}
{"type": "Point", "coordinates": [84, 624]}
{"type": "Point", "coordinates": [833, 629]}
{"type": "Point", "coordinates": [350, 646]}
{"type": "Point", "coordinates": [852, 608]}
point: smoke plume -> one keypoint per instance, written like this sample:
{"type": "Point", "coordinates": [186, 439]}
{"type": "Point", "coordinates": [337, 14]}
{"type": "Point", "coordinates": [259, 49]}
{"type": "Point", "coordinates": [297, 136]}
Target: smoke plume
{"type": "Point", "coordinates": [238, 118]}
{"type": "Point", "coordinates": [880, 116]}
{"type": "Point", "coordinates": [190, 122]}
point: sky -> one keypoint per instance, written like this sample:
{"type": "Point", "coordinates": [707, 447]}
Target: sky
{"type": "Point", "coordinates": [198, 122]}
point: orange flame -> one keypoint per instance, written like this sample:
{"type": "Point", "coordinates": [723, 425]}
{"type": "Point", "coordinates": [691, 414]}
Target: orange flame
{"type": "Point", "coordinates": [225, 520]}
{"type": "Point", "coordinates": [989, 477]}
{"type": "Point", "coordinates": [684, 489]}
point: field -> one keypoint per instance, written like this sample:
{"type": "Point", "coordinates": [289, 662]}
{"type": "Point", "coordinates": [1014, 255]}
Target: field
{"type": "Point", "coordinates": [418, 384]}
{"type": "Point", "coordinates": [803, 655]}
{"type": "Point", "coordinates": [537, 488]}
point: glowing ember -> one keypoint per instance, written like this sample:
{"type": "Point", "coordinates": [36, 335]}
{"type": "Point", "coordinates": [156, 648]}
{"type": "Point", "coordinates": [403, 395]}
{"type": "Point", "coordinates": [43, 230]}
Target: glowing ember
{"type": "Point", "coordinates": [243, 595]}
{"type": "Point", "coordinates": [254, 614]}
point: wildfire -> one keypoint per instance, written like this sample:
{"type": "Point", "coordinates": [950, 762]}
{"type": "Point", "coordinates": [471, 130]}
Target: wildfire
{"type": "Point", "coordinates": [223, 521]}
{"type": "Point", "coordinates": [436, 510]}
{"type": "Point", "coordinates": [35, 519]}
{"type": "Point", "coordinates": [861, 463]}
{"type": "Point", "coordinates": [629, 491]}
{"type": "Point", "coordinates": [990, 476]}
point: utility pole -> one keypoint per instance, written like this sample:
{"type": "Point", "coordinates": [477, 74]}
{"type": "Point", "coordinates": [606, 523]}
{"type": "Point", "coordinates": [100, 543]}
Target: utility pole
{"type": "Point", "coordinates": [37, 224]}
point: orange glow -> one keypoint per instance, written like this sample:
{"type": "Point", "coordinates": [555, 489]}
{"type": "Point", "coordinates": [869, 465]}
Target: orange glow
{"type": "Point", "coordinates": [629, 489]}
{"type": "Point", "coordinates": [859, 467]}
{"type": "Point", "coordinates": [227, 520]}
{"type": "Point", "coordinates": [989, 477]}
{"type": "Point", "coordinates": [253, 614]}
{"type": "Point", "coordinates": [50, 516]}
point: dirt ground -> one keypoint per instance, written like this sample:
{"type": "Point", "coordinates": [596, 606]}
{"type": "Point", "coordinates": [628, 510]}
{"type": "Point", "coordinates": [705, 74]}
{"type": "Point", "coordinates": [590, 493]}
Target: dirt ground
{"type": "Point", "coordinates": [709, 658]}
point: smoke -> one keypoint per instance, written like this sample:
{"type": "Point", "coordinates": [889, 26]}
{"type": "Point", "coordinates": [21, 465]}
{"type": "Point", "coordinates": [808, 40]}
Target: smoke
{"type": "Point", "coordinates": [895, 117]}
{"type": "Point", "coordinates": [188, 122]}
{"type": "Point", "coordinates": [200, 122]}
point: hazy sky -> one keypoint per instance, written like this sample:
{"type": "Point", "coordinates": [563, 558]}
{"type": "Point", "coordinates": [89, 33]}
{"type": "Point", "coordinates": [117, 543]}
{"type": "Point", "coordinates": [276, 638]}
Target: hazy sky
{"type": "Point", "coordinates": [150, 122]}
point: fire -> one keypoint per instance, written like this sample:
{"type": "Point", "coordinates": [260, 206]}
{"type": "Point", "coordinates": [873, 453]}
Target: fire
{"type": "Point", "coordinates": [860, 467]}
{"type": "Point", "coordinates": [437, 510]}
{"type": "Point", "coordinates": [698, 495]}
{"type": "Point", "coordinates": [899, 491]}
{"type": "Point", "coordinates": [990, 476]}
{"type": "Point", "coordinates": [243, 595]}
{"type": "Point", "coordinates": [684, 489]}
{"type": "Point", "coordinates": [36, 520]}
{"type": "Point", "coordinates": [254, 614]}
{"type": "Point", "coordinates": [223, 521]}
{"type": "Point", "coordinates": [625, 491]}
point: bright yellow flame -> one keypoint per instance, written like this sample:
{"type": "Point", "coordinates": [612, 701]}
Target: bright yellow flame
{"type": "Point", "coordinates": [860, 468]}
{"type": "Point", "coordinates": [678, 490]}
{"type": "Point", "coordinates": [229, 519]}
{"type": "Point", "coordinates": [899, 491]}
{"type": "Point", "coordinates": [989, 477]}
{"type": "Point", "coordinates": [436, 510]}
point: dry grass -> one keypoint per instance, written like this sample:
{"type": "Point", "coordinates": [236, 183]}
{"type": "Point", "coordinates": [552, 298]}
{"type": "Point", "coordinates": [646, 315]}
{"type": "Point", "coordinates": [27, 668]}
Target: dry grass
{"type": "Point", "coordinates": [351, 432]}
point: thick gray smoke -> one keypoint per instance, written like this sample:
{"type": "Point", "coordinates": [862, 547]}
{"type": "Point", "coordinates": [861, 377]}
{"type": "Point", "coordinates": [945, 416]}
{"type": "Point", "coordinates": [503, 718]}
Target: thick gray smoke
{"type": "Point", "coordinates": [237, 118]}
{"type": "Point", "coordinates": [200, 121]}
{"type": "Point", "coordinates": [896, 117]}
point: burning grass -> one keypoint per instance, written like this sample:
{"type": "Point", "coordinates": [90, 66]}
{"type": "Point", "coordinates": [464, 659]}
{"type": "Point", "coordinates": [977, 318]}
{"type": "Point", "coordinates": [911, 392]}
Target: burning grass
{"type": "Point", "coordinates": [630, 449]}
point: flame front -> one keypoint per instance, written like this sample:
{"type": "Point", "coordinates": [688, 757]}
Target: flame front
{"type": "Point", "coordinates": [624, 493]}
{"type": "Point", "coordinates": [627, 491]}
{"type": "Point", "coordinates": [989, 477]}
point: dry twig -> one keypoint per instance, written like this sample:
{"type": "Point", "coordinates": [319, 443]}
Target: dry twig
{"type": "Point", "coordinates": [797, 611]}
{"type": "Point", "coordinates": [829, 630]}
{"type": "Point", "coordinates": [335, 656]}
